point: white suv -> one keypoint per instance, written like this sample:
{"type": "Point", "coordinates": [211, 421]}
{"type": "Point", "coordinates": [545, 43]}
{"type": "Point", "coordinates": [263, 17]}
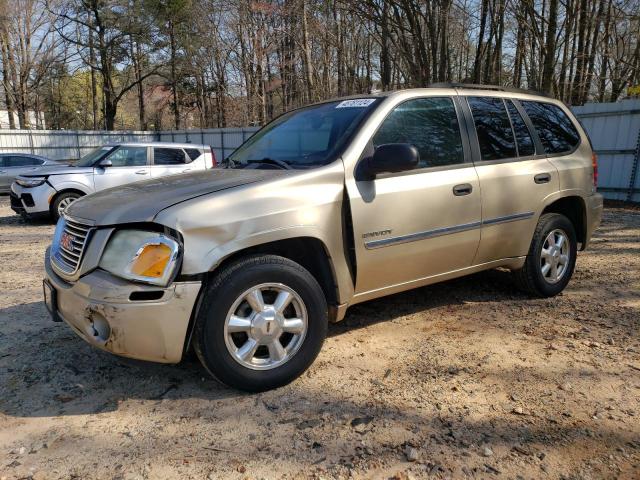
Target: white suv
{"type": "Point", "coordinates": [49, 191]}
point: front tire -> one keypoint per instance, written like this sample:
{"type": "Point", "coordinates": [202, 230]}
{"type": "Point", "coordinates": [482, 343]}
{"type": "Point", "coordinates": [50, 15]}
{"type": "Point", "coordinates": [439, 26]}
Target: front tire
{"type": "Point", "coordinates": [551, 258]}
{"type": "Point", "coordinates": [262, 323]}
{"type": "Point", "coordinates": [61, 202]}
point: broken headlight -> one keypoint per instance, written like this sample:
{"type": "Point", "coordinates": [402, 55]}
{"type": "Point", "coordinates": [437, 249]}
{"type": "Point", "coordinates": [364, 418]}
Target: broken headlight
{"type": "Point", "coordinates": [142, 256]}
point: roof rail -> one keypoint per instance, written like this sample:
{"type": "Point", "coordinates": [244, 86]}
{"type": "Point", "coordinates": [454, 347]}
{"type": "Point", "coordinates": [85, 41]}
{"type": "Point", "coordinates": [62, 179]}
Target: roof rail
{"type": "Point", "coordinates": [475, 86]}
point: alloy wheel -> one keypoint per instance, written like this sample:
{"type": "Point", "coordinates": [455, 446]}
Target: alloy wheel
{"type": "Point", "coordinates": [554, 257]}
{"type": "Point", "coordinates": [64, 203]}
{"type": "Point", "coordinates": [265, 326]}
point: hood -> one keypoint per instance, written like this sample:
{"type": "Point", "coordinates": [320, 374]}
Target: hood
{"type": "Point", "coordinates": [142, 201]}
{"type": "Point", "coordinates": [60, 169]}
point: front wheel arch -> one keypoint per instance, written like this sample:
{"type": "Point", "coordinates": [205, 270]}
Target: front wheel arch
{"type": "Point", "coordinates": [54, 199]}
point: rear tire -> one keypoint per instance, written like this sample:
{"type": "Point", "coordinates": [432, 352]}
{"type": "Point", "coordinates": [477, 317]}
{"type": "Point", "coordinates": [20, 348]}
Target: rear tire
{"type": "Point", "coordinates": [62, 201]}
{"type": "Point", "coordinates": [551, 259]}
{"type": "Point", "coordinates": [245, 338]}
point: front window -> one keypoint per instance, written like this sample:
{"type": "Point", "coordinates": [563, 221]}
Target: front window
{"type": "Point", "coordinates": [90, 159]}
{"type": "Point", "coordinates": [430, 125]}
{"type": "Point", "coordinates": [304, 138]}
{"type": "Point", "coordinates": [129, 157]}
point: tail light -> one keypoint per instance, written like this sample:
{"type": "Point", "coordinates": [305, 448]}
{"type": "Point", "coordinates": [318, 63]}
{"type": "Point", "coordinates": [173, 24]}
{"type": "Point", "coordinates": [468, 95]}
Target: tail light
{"type": "Point", "coordinates": [214, 162]}
{"type": "Point", "coordinates": [594, 164]}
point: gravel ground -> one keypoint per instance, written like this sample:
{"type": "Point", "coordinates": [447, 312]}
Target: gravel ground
{"type": "Point", "coordinates": [468, 378]}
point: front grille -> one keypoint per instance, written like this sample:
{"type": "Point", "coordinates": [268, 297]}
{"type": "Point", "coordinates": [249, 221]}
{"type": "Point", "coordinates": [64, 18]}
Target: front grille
{"type": "Point", "coordinates": [69, 245]}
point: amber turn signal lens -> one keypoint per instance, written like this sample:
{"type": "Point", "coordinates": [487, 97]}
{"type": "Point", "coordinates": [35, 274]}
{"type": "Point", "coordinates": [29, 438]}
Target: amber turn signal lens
{"type": "Point", "coordinates": [151, 261]}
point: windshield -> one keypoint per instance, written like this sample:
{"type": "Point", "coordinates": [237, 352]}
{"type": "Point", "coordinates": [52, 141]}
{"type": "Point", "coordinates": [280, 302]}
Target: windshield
{"type": "Point", "coordinates": [306, 137]}
{"type": "Point", "coordinates": [92, 157]}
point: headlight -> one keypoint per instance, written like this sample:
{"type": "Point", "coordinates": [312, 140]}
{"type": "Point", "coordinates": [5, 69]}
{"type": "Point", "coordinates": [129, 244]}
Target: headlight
{"type": "Point", "coordinates": [143, 256]}
{"type": "Point", "coordinates": [30, 181]}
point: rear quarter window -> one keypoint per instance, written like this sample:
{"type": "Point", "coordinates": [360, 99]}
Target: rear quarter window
{"type": "Point", "coordinates": [556, 130]}
{"type": "Point", "coordinates": [193, 153]}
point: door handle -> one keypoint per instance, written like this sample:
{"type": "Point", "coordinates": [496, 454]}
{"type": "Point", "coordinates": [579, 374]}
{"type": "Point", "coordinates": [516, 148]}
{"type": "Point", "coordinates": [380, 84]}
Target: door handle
{"type": "Point", "coordinates": [186, 170]}
{"type": "Point", "coordinates": [141, 172]}
{"type": "Point", "coordinates": [542, 178]}
{"type": "Point", "coordinates": [462, 189]}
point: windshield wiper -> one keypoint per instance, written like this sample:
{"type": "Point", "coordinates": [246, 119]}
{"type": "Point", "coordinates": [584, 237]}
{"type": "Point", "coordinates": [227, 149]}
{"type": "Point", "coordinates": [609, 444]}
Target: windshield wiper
{"type": "Point", "coordinates": [272, 161]}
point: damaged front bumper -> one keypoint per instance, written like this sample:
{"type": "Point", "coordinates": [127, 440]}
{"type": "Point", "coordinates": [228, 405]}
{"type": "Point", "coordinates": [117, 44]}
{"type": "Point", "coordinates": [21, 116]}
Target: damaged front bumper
{"type": "Point", "coordinates": [124, 318]}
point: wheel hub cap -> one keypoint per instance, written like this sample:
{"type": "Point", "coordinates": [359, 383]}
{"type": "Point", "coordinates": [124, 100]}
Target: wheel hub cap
{"type": "Point", "coordinates": [265, 326]}
{"type": "Point", "coordinates": [554, 256]}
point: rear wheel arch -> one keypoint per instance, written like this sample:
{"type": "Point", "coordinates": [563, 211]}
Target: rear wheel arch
{"type": "Point", "coordinates": [574, 208]}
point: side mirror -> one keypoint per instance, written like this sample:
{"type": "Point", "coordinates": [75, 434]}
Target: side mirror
{"type": "Point", "coordinates": [391, 158]}
{"type": "Point", "coordinates": [105, 163]}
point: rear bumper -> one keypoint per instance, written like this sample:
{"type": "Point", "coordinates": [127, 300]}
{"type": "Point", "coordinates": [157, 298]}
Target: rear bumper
{"type": "Point", "coordinates": [31, 201]}
{"type": "Point", "coordinates": [594, 206]}
{"type": "Point", "coordinates": [99, 309]}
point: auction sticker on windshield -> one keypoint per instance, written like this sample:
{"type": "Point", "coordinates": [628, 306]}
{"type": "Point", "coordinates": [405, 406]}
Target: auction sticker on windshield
{"type": "Point", "coordinates": [357, 103]}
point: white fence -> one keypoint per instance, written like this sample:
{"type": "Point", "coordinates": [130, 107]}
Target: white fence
{"type": "Point", "coordinates": [614, 129]}
{"type": "Point", "coordinates": [72, 144]}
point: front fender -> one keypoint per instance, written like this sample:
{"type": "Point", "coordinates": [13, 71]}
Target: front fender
{"type": "Point", "coordinates": [296, 205]}
{"type": "Point", "coordinates": [69, 182]}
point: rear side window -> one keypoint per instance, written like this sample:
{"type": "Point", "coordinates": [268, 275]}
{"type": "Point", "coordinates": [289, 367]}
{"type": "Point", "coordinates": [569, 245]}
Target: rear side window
{"type": "Point", "coordinates": [495, 135]}
{"type": "Point", "coordinates": [523, 136]}
{"type": "Point", "coordinates": [193, 153]}
{"type": "Point", "coordinates": [19, 161]}
{"type": "Point", "coordinates": [431, 125]}
{"type": "Point", "coordinates": [169, 156]}
{"type": "Point", "coordinates": [556, 131]}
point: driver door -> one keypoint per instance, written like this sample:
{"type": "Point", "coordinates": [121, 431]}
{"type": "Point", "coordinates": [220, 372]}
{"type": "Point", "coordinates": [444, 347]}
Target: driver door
{"type": "Point", "coordinates": [420, 223]}
{"type": "Point", "coordinates": [129, 163]}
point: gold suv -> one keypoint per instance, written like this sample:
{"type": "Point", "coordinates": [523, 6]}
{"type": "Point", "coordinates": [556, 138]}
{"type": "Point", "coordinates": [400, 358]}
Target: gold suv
{"type": "Point", "coordinates": [327, 206]}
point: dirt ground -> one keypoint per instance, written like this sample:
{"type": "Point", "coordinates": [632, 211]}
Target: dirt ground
{"type": "Point", "coordinates": [468, 378]}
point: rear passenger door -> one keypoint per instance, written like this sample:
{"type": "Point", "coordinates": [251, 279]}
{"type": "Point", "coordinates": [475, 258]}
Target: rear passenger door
{"type": "Point", "coordinates": [169, 161]}
{"type": "Point", "coordinates": [419, 223]}
{"type": "Point", "coordinates": [515, 176]}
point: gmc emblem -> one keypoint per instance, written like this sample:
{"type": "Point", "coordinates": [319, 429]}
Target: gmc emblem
{"type": "Point", "coordinates": [67, 241]}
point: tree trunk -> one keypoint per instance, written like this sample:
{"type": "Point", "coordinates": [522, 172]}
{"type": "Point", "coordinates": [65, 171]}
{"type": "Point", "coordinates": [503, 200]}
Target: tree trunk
{"type": "Point", "coordinates": [477, 65]}
{"type": "Point", "coordinates": [306, 49]}
{"type": "Point", "coordinates": [385, 59]}
{"type": "Point", "coordinates": [6, 80]}
{"type": "Point", "coordinates": [174, 75]}
{"type": "Point", "coordinates": [550, 48]}
{"type": "Point", "coordinates": [94, 87]}
{"type": "Point", "coordinates": [576, 87]}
